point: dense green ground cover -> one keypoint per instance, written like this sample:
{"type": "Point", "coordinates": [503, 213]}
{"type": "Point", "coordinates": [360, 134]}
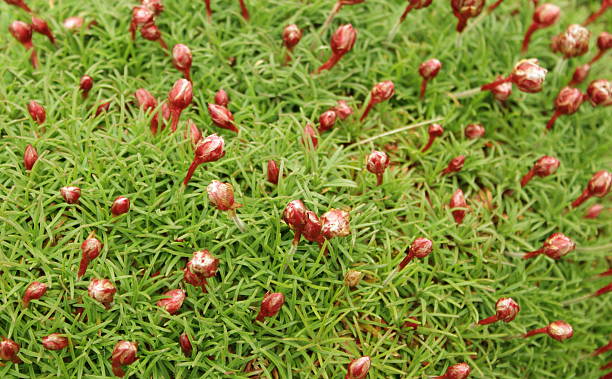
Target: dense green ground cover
{"type": "Point", "coordinates": [316, 333]}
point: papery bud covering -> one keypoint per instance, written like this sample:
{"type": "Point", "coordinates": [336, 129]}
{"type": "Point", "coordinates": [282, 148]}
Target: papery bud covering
{"type": "Point", "coordinates": [358, 368]}
{"type": "Point", "coordinates": [335, 223]}
{"type": "Point", "coordinates": [71, 194]}
{"type": "Point", "coordinates": [55, 341]}
{"type": "Point", "coordinates": [172, 301]}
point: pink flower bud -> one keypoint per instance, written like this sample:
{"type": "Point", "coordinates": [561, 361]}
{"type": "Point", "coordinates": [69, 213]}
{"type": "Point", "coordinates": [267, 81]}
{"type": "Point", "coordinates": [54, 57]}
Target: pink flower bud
{"type": "Point", "coordinates": [380, 92]}
{"type": "Point", "coordinates": [434, 131]}
{"type": "Point", "coordinates": [151, 32]}
{"type": "Point", "coordinates": [543, 167]}
{"type": "Point", "coordinates": [342, 42]}
{"type": "Point", "coordinates": [502, 91]}
{"type": "Point", "coordinates": [310, 136]}
{"type": "Point", "coordinates": [377, 163]}
{"type": "Point", "coordinates": [528, 75]}
{"type": "Point", "coordinates": [428, 70]}
{"type": "Point", "coordinates": [120, 206]}
{"type": "Point", "coordinates": [420, 248]}
{"type": "Point", "coordinates": [181, 59]}
{"type": "Point", "coordinates": [291, 36]}
{"type": "Point", "coordinates": [271, 305]}
{"type": "Point", "coordinates": [102, 290]}
{"type": "Point", "coordinates": [600, 92]}
{"type": "Point", "coordinates": [358, 368]}
{"type": "Point", "coordinates": [155, 5]}
{"type": "Point", "coordinates": [124, 353]}
{"type": "Point", "coordinates": [204, 263]}
{"type": "Point", "coordinates": [22, 33]}
{"type": "Point", "coordinates": [466, 9]}
{"type": "Point", "coordinates": [9, 350]}
{"type": "Point", "coordinates": [559, 330]}
{"type": "Point", "coordinates": [580, 74]}
{"type": "Point", "coordinates": [599, 185]}
{"type": "Point", "coordinates": [458, 201]}
{"type": "Point", "coordinates": [506, 310]}
{"type": "Point", "coordinates": [196, 280]}
{"type": "Point", "coordinates": [185, 344]}
{"type": "Point", "coordinates": [73, 23]}
{"type": "Point", "coordinates": [221, 98]}
{"type": "Point", "coordinates": [272, 172]}
{"type": "Point", "coordinates": [19, 3]}
{"type": "Point", "coordinates": [295, 216]}
{"type": "Point", "coordinates": [173, 301]}
{"type": "Point", "coordinates": [30, 156]}
{"type": "Point", "coordinates": [55, 341]}
{"type": "Point", "coordinates": [556, 246]}
{"type": "Point", "coordinates": [594, 211]}
{"type": "Point", "coordinates": [209, 149]}
{"type": "Point", "coordinates": [221, 195]}
{"type": "Point", "coordinates": [142, 15]}
{"type": "Point", "coordinates": [71, 194]}
{"type": "Point", "coordinates": [546, 15]}
{"type": "Point", "coordinates": [85, 85]}
{"type": "Point", "coordinates": [327, 120]}
{"type": "Point", "coordinates": [37, 112]}
{"type": "Point", "coordinates": [457, 371]}
{"type": "Point", "coordinates": [90, 249]}
{"type": "Point", "coordinates": [574, 42]}
{"type": "Point", "coordinates": [343, 110]}
{"type": "Point", "coordinates": [40, 26]}
{"type": "Point", "coordinates": [604, 41]}
{"type": "Point", "coordinates": [179, 98]}
{"type": "Point", "coordinates": [222, 117]}
{"type": "Point", "coordinates": [35, 291]}
{"type": "Point", "coordinates": [474, 131]}
{"type": "Point", "coordinates": [568, 102]}
{"type": "Point", "coordinates": [312, 228]}
{"type": "Point", "coordinates": [455, 165]}
{"type": "Point", "coordinates": [102, 108]}
{"type": "Point", "coordinates": [335, 223]}
{"type": "Point", "coordinates": [194, 133]}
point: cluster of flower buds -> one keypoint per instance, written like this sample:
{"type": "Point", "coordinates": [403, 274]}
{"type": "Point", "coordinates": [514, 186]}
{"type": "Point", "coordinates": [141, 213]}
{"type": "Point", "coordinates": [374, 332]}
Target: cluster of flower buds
{"type": "Point", "coordinates": [334, 223]}
{"type": "Point", "coordinates": [598, 186]}
{"type": "Point", "coordinates": [209, 149]}
{"type": "Point", "coordinates": [456, 371]}
{"type": "Point", "coordinates": [182, 59]}
{"type": "Point", "coordinates": [148, 103]}
{"type": "Point", "coordinates": [599, 93]}
{"type": "Point", "coordinates": [30, 156]}
{"type": "Point", "coordinates": [102, 290]}
{"type": "Point", "coordinates": [466, 9]}
{"type": "Point", "coordinates": [327, 120]}
{"type": "Point", "coordinates": [568, 102]}
{"type": "Point", "coordinates": [428, 70]}
{"type": "Point", "coordinates": [420, 248]}
{"type": "Point", "coordinates": [90, 249]}
{"type": "Point", "coordinates": [55, 341]}
{"type": "Point", "coordinates": [605, 4]}
{"type": "Point", "coordinates": [556, 246]}
{"type": "Point", "coordinates": [172, 301]}
{"type": "Point", "coordinates": [273, 172]}
{"type": "Point", "coordinates": [434, 131]}
{"type": "Point", "coordinates": [185, 344]}
{"type": "Point", "coordinates": [270, 305]}
{"type": "Point", "coordinates": [143, 17]}
{"type": "Point", "coordinates": [291, 37]}
{"type": "Point", "coordinates": [559, 330]}
{"type": "Point", "coordinates": [37, 112]}
{"type": "Point", "coordinates": [377, 163]}
{"type": "Point", "coordinates": [120, 206]}
{"type": "Point", "coordinates": [23, 33]}
{"type": "Point", "coordinates": [9, 350]}
{"type": "Point", "coordinates": [527, 75]}
{"type": "Point", "coordinates": [85, 85]}
{"type": "Point", "coordinates": [474, 131]}
{"type": "Point", "coordinates": [20, 4]}
{"type": "Point", "coordinates": [124, 354]}
{"type": "Point", "coordinates": [358, 368]}
{"type": "Point", "coordinates": [35, 291]}
{"type": "Point", "coordinates": [179, 98]}
{"type": "Point", "coordinates": [574, 42]}
{"type": "Point", "coordinates": [455, 165]}
{"type": "Point", "coordinates": [414, 4]}
{"type": "Point", "coordinates": [380, 92]}
{"type": "Point", "coordinates": [70, 194]}
{"type": "Point", "coordinates": [543, 167]}
{"type": "Point", "coordinates": [506, 310]}
{"type": "Point", "coordinates": [458, 206]}
{"type": "Point", "coordinates": [221, 195]}
{"type": "Point", "coordinates": [201, 266]}
{"type": "Point", "coordinates": [544, 16]}
{"type": "Point", "coordinates": [342, 42]}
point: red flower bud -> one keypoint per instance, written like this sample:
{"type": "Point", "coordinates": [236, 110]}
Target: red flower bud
{"type": "Point", "coordinates": [221, 195]}
{"type": "Point", "coordinates": [30, 156]}
{"type": "Point", "coordinates": [455, 165]}
{"type": "Point", "coordinates": [19, 3]}
{"type": "Point", "coordinates": [604, 41]}
{"type": "Point", "coordinates": [556, 246]}
{"type": "Point", "coordinates": [420, 248]}
{"type": "Point", "coordinates": [594, 211]}
{"type": "Point", "coordinates": [291, 36]}
{"type": "Point", "coordinates": [196, 280]}
{"type": "Point", "coordinates": [474, 131]}
{"type": "Point", "coordinates": [343, 110]}
{"type": "Point", "coordinates": [559, 330]}
{"type": "Point", "coordinates": [73, 23]}
{"type": "Point", "coordinates": [598, 186]}
{"type": "Point", "coordinates": [544, 16]}
{"type": "Point", "coordinates": [342, 42]}
{"type": "Point", "coordinates": [502, 91]}
{"type": "Point", "coordinates": [85, 85]}
{"type": "Point", "coordinates": [90, 249]}
{"type": "Point", "coordinates": [71, 194]}
{"type": "Point", "coordinates": [37, 112]}
{"type": "Point", "coordinates": [40, 26]}
{"type": "Point", "coordinates": [221, 98]}
{"type": "Point", "coordinates": [312, 228]}
{"type": "Point", "coordinates": [528, 75]}
{"type": "Point", "coordinates": [380, 92]}
{"type": "Point", "coordinates": [295, 216]}
{"type": "Point", "coordinates": [465, 9]}
{"type": "Point", "coordinates": [151, 32]}
{"type": "Point", "coordinates": [209, 149]}
{"type": "Point", "coordinates": [543, 167]}
{"type": "Point", "coordinates": [173, 301]}
{"type": "Point", "coordinates": [580, 74]}
{"type": "Point", "coordinates": [22, 33]}
{"type": "Point", "coordinates": [335, 223]}
{"type": "Point", "coordinates": [567, 102]}
{"type": "Point", "coordinates": [458, 201]}
{"type": "Point", "coordinates": [102, 290]}
{"type": "Point", "coordinates": [310, 133]}
{"type": "Point", "coordinates": [55, 341]}
{"type": "Point", "coordinates": [124, 353]}
{"type": "Point", "coordinates": [181, 59]}
{"type": "Point", "coordinates": [141, 15]}
{"type": "Point", "coordinates": [9, 350]}
{"type": "Point", "coordinates": [204, 263]}
{"type": "Point", "coordinates": [104, 107]}
{"type": "Point", "coordinates": [574, 42]}
{"type": "Point", "coordinates": [222, 117]}
{"type": "Point", "coordinates": [120, 206]}
{"type": "Point", "coordinates": [185, 344]}
{"type": "Point", "coordinates": [457, 371]}
{"type": "Point", "coordinates": [377, 163]}
{"type": "Point", "coordinates": [271, 304]}
{"type": "Point", "coordinates": [194, 133]}
{"type": "Point", "coordinates": [155, 5]}
{"type": "Point", "coordinates": [327, 120]}
{"type": "Point", "coordinates": [35, 291]}
{"type": "Point", "coordinates": [600, 92]}
{"type": "Point", "coordinates": [428, 70]}
{"type": "Point", "coordinates": [434, 131]}
{"type": "Point", "coordinates": [179, 98]}
{"type": "Point", "coordinates": [358, 368]}
{"type": "Point", "coordinates": [506, 310]}
{"type": "Point", "coordinates": [272, 172]}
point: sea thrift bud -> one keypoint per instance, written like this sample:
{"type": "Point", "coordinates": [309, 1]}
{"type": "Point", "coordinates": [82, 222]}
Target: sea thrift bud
{"type": "Point", "coordinates": [221, 98]}
{"type": "Point", "coordinates": [35, 291]}
{"type": "Point", "coordinates": [343, 110]}
{"type": "Point", "coordinates": [155, 5]}
{"type": "Point", "coordinates": [604, 43]}
{"type": "Point", "coordinates": [71, 194]}
{"type": "Point", "coordinates": [209, 149]}
{"type": "Point", "coordinates": [179, 98]}
{"type": "Point", "coordinates": [428, 70]}
{"type": "Point", "coordinates": [295, 217]}
{"type": "Point", "coordinates": [466, 9]}
{"type": "Point", "coordinates": [19, 3]}
{"type": "Point", "coordinates": [151, 32]}
{"type": "Point", "coordinates": [90, 249]}
{"type": "Point", "coordinates": [474, 131]}
{"type": "Point", "coordinates": [85, 85]}
{"type": "Point", "coordinates": [55, 341]}
{"type": "Point", "coordinates": [181, 59]}
{"type": "Point", "coordinates": [502, 91]}
{"type": "Point", "coordinates": [544, 16]}
{"type": "Point", "coordinates": [9, 350]}
{"type": "Point", "coordinates": [185, 344]}
{"type": "Point", "coordinates": [455, 165]}
{"type": "Point", "coordinates": [37, 112]}
{"type": "Point", "coordinates": [458, 201]}
{"type": "Point", "coordinates": [271, 304]}
{"type": "Point", "coordinates": [291, 37]}
{"type": "Point", "coordinates": [124, 354]}
{"type": "Point", "coordinates": [272, 172]}
{"type": "Point", "coordinates": [414, 4]}
{"type": "Point", "coordinates": [529, 76]}
{"type": "Point", "coordinates": [310, 136]}
{"type": "Point", "coordinates": [598, 186]}
{"type": "Point", "coordinates": [543, 167]}
{"type": "Point", "coordinates": [594, 211]}
{"type": "Point", "coordinates": [506, 310]}
{"type": "Point", "coordinates": [173, 301]}
{"type": "Point", "coordinates": [23, 33]}
{"type": "Point", "coordinates": [380, 92]}
{"type": "Point", "coordinates": [600, 92]}
{"type": "Point", "coordinates": [556, 246]}
{"type": "Point", "coordinates": [420, 248]}
{"type": "Point", "coordinates": [120, 206]}
{"type": "Point", "coordinates": [352, 278]}
{"type": "Point", "coordinates": [141, 15]}
{"type": "Point", "coordinates": [40, 26]}
{"type": "Point", "coordinates": [458, 371]}
{"type": "Point", "coordinates": [580, 74]}
{"type": "Point", "coordinates": [204, 263]}
{"type": "Point", "coordinates": [327, 120]}
{"type": "Point", "coordinates": [221, 195]}
{"type": "Point", "coordinates": [358, 368]}
{"type": "Point", "coordinates": [196, 280]}
{"type": "Point", "coordinates": [335, 223]}
{"type": "Point", "coordinates": [194, 133]}
{"type": "Point", "coordinates": [568, 102]}
{"type": "Point", "coordinates": [559, 330]}
{"type": "Point", "coordinates": [222, 117]}
{"type": "Point", "coordinates": [574, 42]}
{"type": "Point", "coordinates": [312, 228]}
{"type": "Point", "coordinates": [378, 162]}
{"type": "Point", "coordinates": [103, 108]}
{"type": "Point", "coordinates": [73, 23]}
{"type": "Point", "coordinates": [30, 156]}
{"type": "Point", "coordinates": [434, 131]}
{"type": "Point", "coordinates": [342, 42]}
{"type": "Point", "coordinates": [102, 290]}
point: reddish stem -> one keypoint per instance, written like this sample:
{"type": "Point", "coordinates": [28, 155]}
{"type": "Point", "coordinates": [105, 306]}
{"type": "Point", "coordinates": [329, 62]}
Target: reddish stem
{"type": "Point", "coordinates": [552, 120]}
{"type": "Point", "coordinates": [204, 282]}
{"type": "Point", "coordinates": [367, 110]}
{"type": "Point", "coordinates": [527, 177]}
{"type": "Point", "coordinates": [409, 257]}
{"type": "Point", "coordinates": [187, 74]}
{"type": "Point", "coordinates": [603, 349]}
{"type": "Point", "coordinates": [495, 5]}
{"type": "Point", "coordinates": [423, 88]}
{"type": "Point", "coordinates": [606, 367]}
{"type": "Point", "coordinates": [490, 86]}
{"type": "Point", "coordinates": [406, 11]}
{"type": "Point", "coordinates": [208, 9]}
{"type": "Point", "coordinates": [488, 320]}
{"type": "Point", "coordinates": [118, 371]}
{"type": "Point", "coordinates": [296, 237]}
{"type": "Point", "coordinates": [245, 11]}
{"type": "Point", "coordinates": [379, 179]}
{"type": "Point", "coordinates": [597, 57]}
{"type": "Point", "coordinates": [133, 30]}
{"type": "Point", "coordinates": [34, 58]}
{"type": "Point", "coordinates": [606, 273]}
{"type": "Point", "coordinates": [596, 15]}
{"type": "Point", "coordinates": [586, 194]}
{"type": "Point", "coordinates": [175, 114]}
{"type": "Point", "coordinates": [163, 44]}
{"type": "Point", "coordinates": [533, 254]}
{"type": "Point", "coordinates": [532, 28]}
{"type": "Point", "coordinates": [461, 24]}
{"type": "Point", "coordinates": [446, 171]}
{"type": "Point", "coordinates": [429, 143]}
{"type": "Point", "coordinates": [24, 6]}
{"type": "Point", "coordinates": [535, 331]}
{"type": "Point", "coordinates": [260, 317]}
{"type": "Point", "coordinates": [190, 172]}
{"type": "Point", "coordinates": [83, 266]}
{"type": "Point", "coordinates": [603, 290]}
{"type": "Point", "coordinates": [331, 62]}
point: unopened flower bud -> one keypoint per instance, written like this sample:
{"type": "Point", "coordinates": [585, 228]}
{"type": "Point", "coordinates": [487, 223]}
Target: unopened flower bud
{"type": "Point", "coordinates": [90, 249]}
{"type": "Point", "coordinates": [574, 42]}
{"type": "Point", "coordinates": [352, 278]}
{"type": "Point", "coordinates": [55, 341]}
{"type": "Point", "coordinates": [327, 120]}
{"type": "Point", "coordinates": [40, 26]}
{"type": "Point", "coordinates": [102, 290]}
{"type": "Point", "coordinates": [434, 131]}
{"type": "Point", "coordinates": [196, 280]}
{"type": "Point", "coordinates": [506, 310]}
{"type": "Point", "coordinates": [221, 98]}
{"type": "Point", "coordinates": [124, 353]}
{"type": "Point", "coordinates": [594, 211]}
{"type": "Point", "coordinates": [568, 102]}
{"type": "Point", "coordinates": [502, 91]}
{"type": "Point", "coordinates": [544, 16]}
{"type": "Point", "coordinates": [120, 206]}
{"type": "Point", "coordinates": [142, 15]}
{"type": "Point", "coordinates": [272, 172]}
{"type": "Point", "coordinates": [343, 110]}
{"type": "Point", "coordinates": [457, 371]}
{"type": "Point", "coordinates": [358, 368]}
{"type": "Point", "coordinates": [377, 163]}
{"type": "Point", "coordinates": [209, 149]}
{"type": "Point", "coordinates": [194, 133]}
{"type": "Point", "coordinates": [71, 194]}
{"type": "Point", "coordinates": [19, 3]}
{"type": "Point", "coordinates": [312, 228]}
{"type": "Point", "coordinates": [428, 70]}
{"type": "Point", "coordinates": [342, 42]}
{"type": "Point", "coordinates": [22, 33]}
{"type": "Point", "coordinates": [559, 330]}
{"type": "Point", "coordinates": [458, 201]}
{"type": "Point", "coordinates": [221, 195]}
{"type": "Point", "coordinates": [151, 32]}
{"type": "Point", "coordinates": [466, 9]}
{"type": "Point", "coordinates": [335, 223]}
{"type": "Point", "coordinates": [556, 246]}
{"type": "Point", "coordinates": [182, 59]}
{"type": "Point", "coordinates": [455, 165]}
{"type": "Point", "coordinates": [543, 167]}
{"type": "Point", "coordinates": [380, 92]}
{"type": "Point", "coordinates": [85, 85]}
{"type": "Point", "coordinates": [598, 186]}
{"type": "Point", "coordinates": [528, 75]}
{"type": "Point", "coordinates": [310, 137]}
{"type": "Point", "coordinates": [295, 217]}
{"type": "Point", "coordinates": [172, 301]}
{"type": "Point", "coordinates": [9, 350]}
{"type": "Point", "coordinates": [30, 156]}
{"type": "Point", "coordinates": [102, 108]}
{"type": "Point", "coordinates": [604, 41]}
{"type": "Point", "coordinates": [271, 305]}
{"type": "Point", "coordinates": [37, 112]}
{"type": "Point", "coordinates": [580, 74]}
{"type": "Point", "coordinates": [474, 131]}
{"type": "Point", "coordinates": [204, 263]}
{"type": "Point", "coordinates": [35, 291]}
{"type": "Point", "coordinates": [179, 98]}
{"type": "Point", "coordinates": [222, 117]}
{"type": "Point", "coordinates": [74, 23]}
{"type": "Point", "coordinates": [291, 36]}
{"type": "Point", "coordinates": [420, 248]}
{"type": "Point", "coordinates": [600, 92]}
{"type": "Point", "coordinates": [185, 344]}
